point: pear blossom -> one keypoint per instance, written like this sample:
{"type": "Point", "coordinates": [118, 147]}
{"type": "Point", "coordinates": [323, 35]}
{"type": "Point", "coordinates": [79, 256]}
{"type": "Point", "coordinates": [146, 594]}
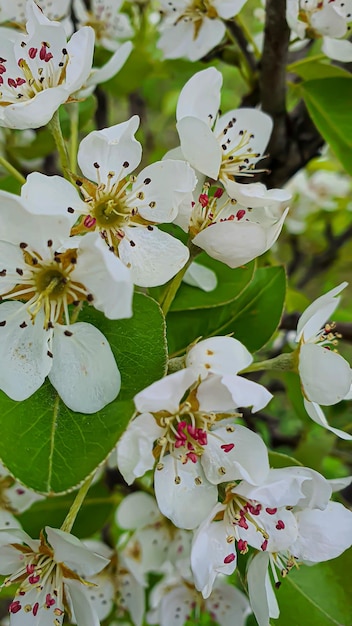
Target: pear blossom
{"type": "Point", "coordinates": [109, 24]}
{"type": "Point", "coordinates": [154, 540]}
{"type": "Point", "coordinates": [50, 574]}
{"type": "Point", "coordinates": [126, 209]}
{"type": "Point", "coordinates": [115, 587]}
{"type": "Point", "coordinates": [40, 70]}
{"type": "Point", "coordinates": [191, 28]}
{"type": "Point", "coordinates": [174, 599]}
{"type": "Point", "coordinates": [46, 269]}
{"type": "Point", "coordinates": [322, 534]}
{"type": "Point", "coordinates": [222, 147]}
{"type": "Point", "coordinates": [179, 431]}
{"type": "Point", "coordinates": [326, 376]}
{"type": "Point", "coordinates": [322, 190]}
{"type": "Point", "coordinates": [55, 10]}
{"type": "Point", "coordinates": [257, 516]}
{"type": "Point", "coordinates": [327, 19]}
{"type": "Point", "coordinates": [14, 496]}
{"type": "Point", "coordinates": [228, 230]}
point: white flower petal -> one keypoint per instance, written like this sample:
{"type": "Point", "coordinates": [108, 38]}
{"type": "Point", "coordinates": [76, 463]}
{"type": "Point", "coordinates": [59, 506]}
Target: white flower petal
{"type": "Point", "coordinates": [71, 551]}
{"type": "Point", "coordinates": [82, 607]}
{"type": "Point", "coordinates": [154, 258]}
{"type": "Point", "coordinates": [165, 394]}
{"type": "Point", "coordinates": [228, 605]}
{"type": "Point", "coordinates": [323, 535]}
{"type": "Point", "coordinates": [211, 553]}
{"type": "Point", "coordinates": [137, 510]}
{"type": "Point", "coordinates": [238, 452]}
{"type": "Point", "coordinates": [200, 96]}
{"type": "Point", "coordinates": [113, 147]}
{"type": "Point", "coordinates": [168, 182]}
{"type": "Point", "coordinates": [200, 146]}
{"type": "Point", "coordinates": [337, 49]}
{"type": "Point", "coordinates": [218, 355]}
{"type": "Point", "coordinates": [105, 276]}
{"type": "Point", "coordinates": [316, 414]}
{"type": "Point", "coordinates": [198, 275]}
{"type": "Point", "coordinates": [38, 188]}
{"type": "Point", "coordinates": [24, 357]}
{"type": "Point", "coordinates": [187, 501]}
{"type": "Point", "coordinates": [135, 447]}
{"type": "Point", "coordinates": [246, 392]}
{"type": "Point", "coordinates": [84, 371]}
{"type": "Point", "coordinates": [258, 579]}
{"type": "Point", "coordinates": [317, 313]}
{"type": "Point", "coordinates": [325, 375]}
{"type": "Point", "coordinates": [111, 67]}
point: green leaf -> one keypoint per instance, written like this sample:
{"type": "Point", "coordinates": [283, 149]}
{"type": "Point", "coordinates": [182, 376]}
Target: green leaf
{"type": "Point", "coordinates": [329, 104]}
{"type": "Point", "coordinates": [279, 460]}
{"type": "Point", "coordinates": [318, 595]}
{"type": "Point", "coordinates": [252, 316]}
{"type": "Point", "coordinates": [95, 511]}
{"type": "Point", "coordinates": [312, 68]}
{"type": "Point", "coordinates": [51, 448]}
{"type": "Point", "coordinates": [230, 285]}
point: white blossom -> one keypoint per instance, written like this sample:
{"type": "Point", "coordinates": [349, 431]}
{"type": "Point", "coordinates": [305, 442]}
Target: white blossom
{"type": "Point", "coordinates": [40, 70]}
{"type": "Point", "coordinates": [126, 209]}
{"type": "Point", "coordinates": [179, 432]}
{"type": "Point", "coordinates": [109, 23]}
{"type": "Point", "coordinates": [323, 18]}
{"type": "Point", "coordinates": [325, 375]}
{"type": "Point", "coordinates": [221, 147]}
{"type": "Point", "coordinates": [46, 269]}
{"type": "Point", "coordinates": [50, 574]}
{"type": "Point", "coordinates": [191, 29]}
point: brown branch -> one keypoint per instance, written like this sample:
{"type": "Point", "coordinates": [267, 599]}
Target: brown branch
{"type": "Point", "coordinates": [273, 75]}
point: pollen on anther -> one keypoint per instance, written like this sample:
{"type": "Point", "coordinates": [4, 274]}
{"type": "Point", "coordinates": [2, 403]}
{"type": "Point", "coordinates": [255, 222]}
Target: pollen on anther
{"type": "Point", "coordinates": [96, 165]}
{"type": "Point", "coordinates": [90, 297]}
{"type": "Point", "coordinates": [70, 209]}
{"type": "Point", "coordinates": [125, 164]}
{"type": "Point", "coordinates": [23, 245]}
{"type": "Point", "coordinates": [177, 480]}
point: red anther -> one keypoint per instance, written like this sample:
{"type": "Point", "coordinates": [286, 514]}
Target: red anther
{"type": "Point", "coordinates": [190, 446]}
{"type": "Point", "coordinates": [218, 193]}
{"type": "Point", "coordinates": [254, 510]}
{"type": "Point", "coordinates": [192, 457]}
{"type": "Point", "coordinates": [35, 608]}
{"type": "Point", "coordinates": [202, 437]}
{"type": "Point", "coordinates": [49, 601]}
{"type": "Point", "coordinates": [43, 52]}
{"type": "Point", "coordinates": [242, 546]}
{"type": "Point", "coordinates": [243, 523]}
{"type": "Point", "coordinates": [20, 81]}
{"type": "Point", "coordinates": [193, 204]}
{"type": "Point", "coordinates": [11, 82]}
{"type": "Point", "coordinates": [15, 606]}
{"type": "Point", "coordinates": [33, 580]}
{"type": "Point", "coordinates": [264, 545]}
{"type": "Point", "coordinates": [229, 558]}
{"type": "Point", "coordinates": [1, 80]}
{"type": "Point", "coordinates": [271, 511]}
{"type": "Point", "coordinates": [30, 568]}
{"type": "Point", "coordinates": [230, 219]}
{"type": "Point", "coordinates": [193, 431]}
{"type": "Point", "coordinates": [227, 447]}
{"type": "Point", "coordinates": [32, 53]}
{"type": "Point", "coordinates": [240, 213]}
{"type": "Point", "coordinates": [181, 426]}
{"type": "Point", "coordinates": [89, 221]}
{"type": "Point", "coordinates": [203, 199]}
{"type": "Point", "coordinates": [179, 443]}
{"type": "Point", "coordinates": [280, 525]}
{"type": "Point", "coordinates": [20, 492]}
{"type": "Point", "coordinates": [2, 68]}
{"type": "Point", "coordinates": [48, 56]}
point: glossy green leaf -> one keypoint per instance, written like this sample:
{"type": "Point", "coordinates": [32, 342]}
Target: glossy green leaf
{"type": "Point", "coordinates": [97, 508]}
{"type": "Point", "coordinates": [231, 284]}
{"type": "Point", "coordinates": [318, 595]}
{"type": "Point", "coordinates": [278, 460]}
{"type": "Point", "coordinates": [313, 68]}
{"type": "Point", "coordinates": [50, 448]}
{"type": "Point", "coordinates": [328, 101]}
{"type": "Point", "coordinates": [252, 317]}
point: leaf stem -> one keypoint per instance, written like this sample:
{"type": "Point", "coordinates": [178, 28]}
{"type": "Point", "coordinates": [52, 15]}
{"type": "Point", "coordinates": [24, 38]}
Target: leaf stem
{"type": "Point", "coordinates": [76, 505]}
{"type": "Point", "coordinates": [283, 362]}
{"type": "Point", "coordinates": [174, 284]}
{"type": "Point", "coordinates": [55, 129]}
{"type": "Point", "coordinates": [12, 170]}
